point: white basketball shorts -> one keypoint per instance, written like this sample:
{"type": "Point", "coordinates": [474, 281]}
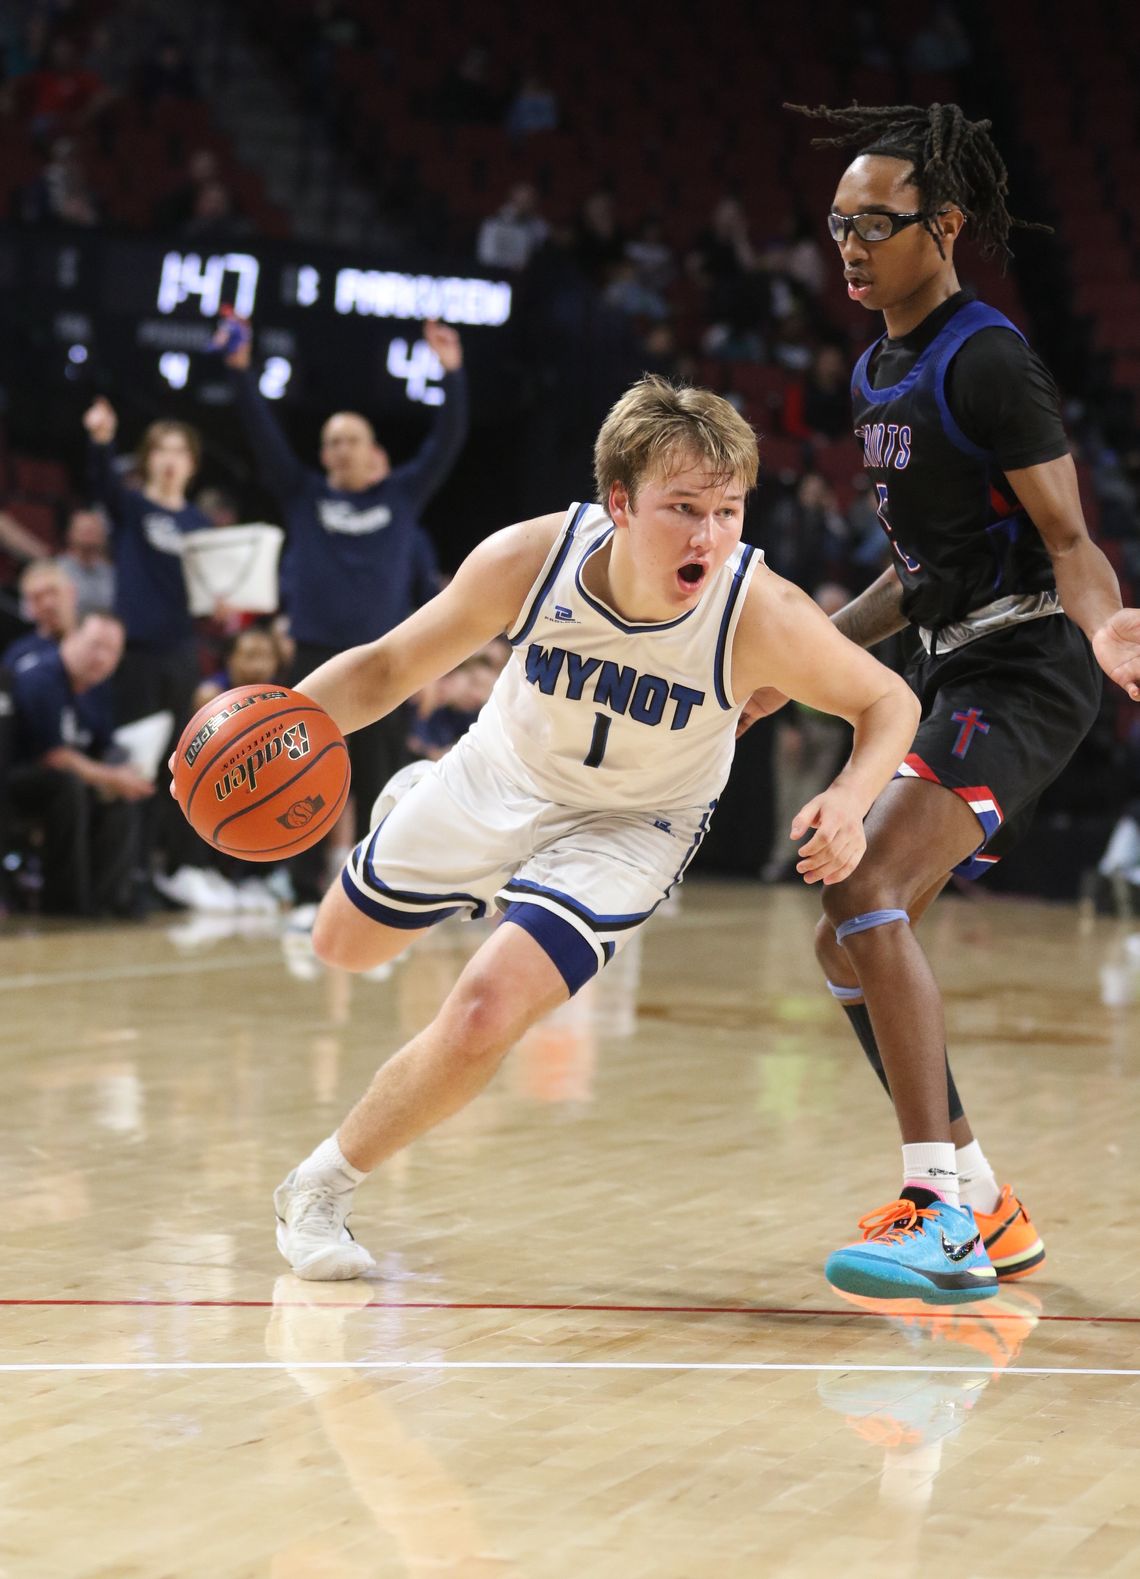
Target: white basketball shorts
{"type": "Point", "coordinates": [466, 835]}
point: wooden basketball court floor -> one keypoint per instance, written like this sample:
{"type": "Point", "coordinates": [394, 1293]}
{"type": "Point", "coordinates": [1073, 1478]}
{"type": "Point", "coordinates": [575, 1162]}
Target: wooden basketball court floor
{"type": "Point", "coordinates": [601, 1344]}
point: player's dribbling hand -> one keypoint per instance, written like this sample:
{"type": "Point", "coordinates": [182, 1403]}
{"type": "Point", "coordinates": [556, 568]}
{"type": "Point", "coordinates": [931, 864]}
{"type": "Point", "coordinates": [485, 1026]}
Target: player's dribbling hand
{"type": "Point", "coordinates": [446, 344]}
{"type": "Point", "coordinates": [101, 421]}
{"type": "Point", "coordinates": [759, 705]}
{"type": "Point", "coordinates": [838, 843]}
{"type": "Point", "coordinates": [1117, 648]}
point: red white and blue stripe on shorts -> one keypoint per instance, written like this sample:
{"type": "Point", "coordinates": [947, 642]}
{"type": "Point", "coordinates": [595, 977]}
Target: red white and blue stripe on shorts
{"type": "Point", "coordinates": [982, 802]}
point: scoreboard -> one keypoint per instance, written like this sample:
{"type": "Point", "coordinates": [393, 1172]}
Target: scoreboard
{"type": "Point", "coordinates": [331, 327]}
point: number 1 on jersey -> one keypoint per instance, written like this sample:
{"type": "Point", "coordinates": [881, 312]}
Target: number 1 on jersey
{"type": "Point", "coordinates": [593, 757]}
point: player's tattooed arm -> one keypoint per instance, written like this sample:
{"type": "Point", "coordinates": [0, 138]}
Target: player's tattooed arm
{"type": "Point", "coordinates": [875, 614]}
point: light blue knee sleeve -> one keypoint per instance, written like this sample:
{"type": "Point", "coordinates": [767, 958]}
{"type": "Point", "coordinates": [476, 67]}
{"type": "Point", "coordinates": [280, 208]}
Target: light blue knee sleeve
{"type": "Point", "coordinates": [844, 994]}
{"type": "Point", "coordinates": [869, 919]}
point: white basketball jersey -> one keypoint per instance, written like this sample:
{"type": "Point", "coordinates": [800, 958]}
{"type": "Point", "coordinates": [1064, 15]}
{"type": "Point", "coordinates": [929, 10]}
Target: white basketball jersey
{"type": "Point", "coordinates": [599, 713]}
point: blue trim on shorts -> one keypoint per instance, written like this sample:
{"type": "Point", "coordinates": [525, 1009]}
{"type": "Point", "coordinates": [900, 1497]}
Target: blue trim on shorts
{"type": "Point", "coordinates": [568, 951]}
{"type": "Point", "coordinates": [702, 829]}
{"type": "Point", "coordinates": [550, 579]}
{"type": "Point", "coordinates": [409, 896]}
{"type": "Point", "coordinates": [405, 920]}
{"type": "Point", "coordinates": [576, 907]}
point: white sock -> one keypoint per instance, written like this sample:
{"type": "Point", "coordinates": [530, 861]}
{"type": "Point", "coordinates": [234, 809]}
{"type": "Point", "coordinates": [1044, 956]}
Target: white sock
{"type": "Point", "coordinates": [976, 1181]}
{"type": "Point", "coordinates": [330, 1163]}
{"type": "Point", "coordinates": [930, 1163]}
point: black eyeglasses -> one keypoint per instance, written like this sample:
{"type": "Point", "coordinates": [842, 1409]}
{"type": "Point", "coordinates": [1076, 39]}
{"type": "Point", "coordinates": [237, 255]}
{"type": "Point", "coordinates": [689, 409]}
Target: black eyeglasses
{"type": "Point", "coordinates": [869, 227]}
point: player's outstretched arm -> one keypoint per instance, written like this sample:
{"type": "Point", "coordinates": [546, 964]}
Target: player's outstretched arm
{"type": "Point", "coordinates": [1090, 593]}
{"type": "Point", "coordinates": [784, 640]}
{"type": "Point", "coordinates": [483, 599]}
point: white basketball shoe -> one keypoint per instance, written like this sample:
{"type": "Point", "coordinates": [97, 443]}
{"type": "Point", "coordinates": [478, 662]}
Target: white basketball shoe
{"type": "Point", "coordinates": [313, 1233]}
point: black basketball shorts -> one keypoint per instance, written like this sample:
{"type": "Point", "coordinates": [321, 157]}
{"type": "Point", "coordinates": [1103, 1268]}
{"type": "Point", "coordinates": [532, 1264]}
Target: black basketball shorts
{"type": "Point", "coordinates": [1001, 717]}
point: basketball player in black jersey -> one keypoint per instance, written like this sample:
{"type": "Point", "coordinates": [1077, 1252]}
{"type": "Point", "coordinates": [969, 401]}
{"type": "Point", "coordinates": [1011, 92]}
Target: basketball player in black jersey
{"type": "Point", "coordinates": [1017, 611]}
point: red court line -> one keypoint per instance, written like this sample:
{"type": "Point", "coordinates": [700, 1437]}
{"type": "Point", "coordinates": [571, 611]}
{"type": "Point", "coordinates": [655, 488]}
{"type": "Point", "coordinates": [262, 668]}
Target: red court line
{"type": "Point", "coordinates": [446, 1304]}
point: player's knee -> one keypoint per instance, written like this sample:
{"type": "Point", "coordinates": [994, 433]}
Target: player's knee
{"type": "Point", "coordinates": [483, 1021]}
{"type": "Point", "coordinates": [859, 895]}
{"type": "Point", "coordinates": [827, 950]}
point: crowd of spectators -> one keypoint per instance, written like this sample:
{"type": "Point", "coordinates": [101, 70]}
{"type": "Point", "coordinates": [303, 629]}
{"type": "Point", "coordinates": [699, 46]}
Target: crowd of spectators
{"type": "Point", "coordinates": [737, 302]}
{"type": "Point", "coordinates": [86, 101]}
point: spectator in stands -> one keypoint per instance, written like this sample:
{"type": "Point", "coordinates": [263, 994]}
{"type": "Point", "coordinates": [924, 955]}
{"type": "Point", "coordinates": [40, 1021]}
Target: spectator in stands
{"type": "Point", "coordinates": [447, 709]}
{"type": "Point", "coordinates": [63, 777]}
{"type": "Point", "coordinates": [805, 535]}
{"type": "Point", "coordinates": [25, 43]}
{"type": "Point", "coordinates": [108, 57]}
{"type": "Point", "coordinates": [61, 193]}
{"type": "Point", "coordinates": [798, 256]}
{"type": "Point", "coordinates": [726, 265]}
{"type": "Point", "coordinates": [467, 94]}
{"type": "Point", "coordinates": [534, 108]}
{"type": "Point", "coordinates": [351, 554]}
{"type": "Point", "coordinates": [820, 407]}
{"type": "Point", "coordinates": [87, 562]}
{"type": "Point", "coordinates": [62, 95]}
{"type": "Point", "coordinates": [941, 44]}
{"type": "Point", "coordinates": [166, 72]}
{"type": "Point", "coordinates": [159, 670]}
{"type": "Point", "coordinates": [251, 659]}
{"type": "Point", "coordinates": [792, 341]}
{"type": "Point", "coordinates": [177, 208]}
{"type": "Point", "coordinates": [48, 603]}
{"type": "Point", "coordinates": [509, 238]}
{"type": "Point", "coordinates": [214, 217]}
{"type": "Point", "coordinates": [651, 255]}
{"type": "Point", "coordinates": [600, 240]}
{"type": "Point", "coordinates": [625, 291]}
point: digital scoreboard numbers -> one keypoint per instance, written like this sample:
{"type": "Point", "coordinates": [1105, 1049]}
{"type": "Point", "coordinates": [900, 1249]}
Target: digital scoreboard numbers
{"type": "Point", "coordinates": [202, 284]}
{"type": "Point", "coordinates": [228, 278]}
{"type": "Point", "coordinates": [330, 325]}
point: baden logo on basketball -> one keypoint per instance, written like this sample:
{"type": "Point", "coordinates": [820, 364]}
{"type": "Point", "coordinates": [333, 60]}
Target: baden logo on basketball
{"type": "Point", "coordinates": [302, 812]}
{"type": "Point", "coordinates": [215, 721]}
{"type": "Point", "coordinates": [293, 740]}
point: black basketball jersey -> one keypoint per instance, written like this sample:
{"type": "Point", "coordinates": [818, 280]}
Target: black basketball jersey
{"type": "Point", "coordinates": [961, 540]}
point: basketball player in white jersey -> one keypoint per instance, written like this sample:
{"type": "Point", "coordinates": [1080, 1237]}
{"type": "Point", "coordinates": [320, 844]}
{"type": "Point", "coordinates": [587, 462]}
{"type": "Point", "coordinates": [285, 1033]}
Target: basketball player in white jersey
{"type": "Point", "coordinates": [581, 793]}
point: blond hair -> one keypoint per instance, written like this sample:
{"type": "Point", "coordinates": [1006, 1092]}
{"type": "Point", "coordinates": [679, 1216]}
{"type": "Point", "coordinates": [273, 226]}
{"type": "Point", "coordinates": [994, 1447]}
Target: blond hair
{"type": "Point", "coordinates": [657, 426]}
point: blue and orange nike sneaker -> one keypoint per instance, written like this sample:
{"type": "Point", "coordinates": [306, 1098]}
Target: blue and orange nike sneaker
{"type": "Point", "coordinates": [918, 1247]}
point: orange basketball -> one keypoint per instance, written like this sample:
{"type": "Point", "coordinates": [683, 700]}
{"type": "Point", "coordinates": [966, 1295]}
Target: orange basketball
{"type": "Point", "coordinates": [261, 772]}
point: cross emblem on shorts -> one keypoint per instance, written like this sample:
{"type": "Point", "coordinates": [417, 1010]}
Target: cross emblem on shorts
{"type": "Point", "coordinates": [969, 720]}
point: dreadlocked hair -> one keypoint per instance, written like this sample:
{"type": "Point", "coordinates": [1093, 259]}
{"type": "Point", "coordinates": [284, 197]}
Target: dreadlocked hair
{"type": "Point", "coordinates": [955, 161]}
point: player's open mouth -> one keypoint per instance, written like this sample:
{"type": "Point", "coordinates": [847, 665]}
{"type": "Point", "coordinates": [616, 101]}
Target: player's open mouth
{"type": "Point", "coordinates": [692, 575]}
{"type": "Point", "coordinates": [858, 286]}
